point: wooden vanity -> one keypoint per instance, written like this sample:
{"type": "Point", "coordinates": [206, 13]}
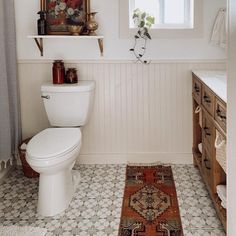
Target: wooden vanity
{"type": "Point", "coordinates": [209, 119]}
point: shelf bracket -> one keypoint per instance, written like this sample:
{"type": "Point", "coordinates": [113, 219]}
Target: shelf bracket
{"type": "Point", "coordinates": [39, 43]}
{"type": "Point", "coordinates": [100, 43]}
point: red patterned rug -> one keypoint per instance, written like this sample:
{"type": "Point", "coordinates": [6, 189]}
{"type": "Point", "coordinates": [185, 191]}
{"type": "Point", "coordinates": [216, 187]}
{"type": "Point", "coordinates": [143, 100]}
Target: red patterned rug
{"type": "Point", "coordinates": [150, 205]}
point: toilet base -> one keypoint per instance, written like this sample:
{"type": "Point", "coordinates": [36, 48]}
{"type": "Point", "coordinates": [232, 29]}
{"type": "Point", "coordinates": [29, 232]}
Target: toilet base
{"type": "Point", "coordinates": [56, 191]}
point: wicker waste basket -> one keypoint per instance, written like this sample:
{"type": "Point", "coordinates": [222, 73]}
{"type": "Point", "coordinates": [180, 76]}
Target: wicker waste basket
{"type": "Point", "coordinates": [28, 171]}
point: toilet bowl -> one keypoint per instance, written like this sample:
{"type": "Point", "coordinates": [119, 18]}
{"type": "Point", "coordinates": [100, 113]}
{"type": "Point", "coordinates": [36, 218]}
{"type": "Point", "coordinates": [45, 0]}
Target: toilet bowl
{"type": "Point", "coordinates": [52, 153]}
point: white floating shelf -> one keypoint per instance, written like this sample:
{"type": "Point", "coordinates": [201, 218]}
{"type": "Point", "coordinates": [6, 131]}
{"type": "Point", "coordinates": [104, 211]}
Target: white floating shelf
{"type": "Point", "coordinates": [65, 37]}
{"type": "Point", "coordinates": [39, 39]}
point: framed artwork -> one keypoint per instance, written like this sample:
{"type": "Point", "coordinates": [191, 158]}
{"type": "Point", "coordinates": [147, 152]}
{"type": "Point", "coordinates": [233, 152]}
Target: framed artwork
{"type": "Point", "coordinates": [61, 13]}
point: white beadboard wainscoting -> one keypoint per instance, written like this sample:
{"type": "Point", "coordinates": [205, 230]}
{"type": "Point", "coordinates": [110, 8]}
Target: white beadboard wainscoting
{"type": "Point", "coordinates": [142, 113]}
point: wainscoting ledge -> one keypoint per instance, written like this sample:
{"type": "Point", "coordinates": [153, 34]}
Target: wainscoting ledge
{"type": "Point", "coordinates": [117, 61]}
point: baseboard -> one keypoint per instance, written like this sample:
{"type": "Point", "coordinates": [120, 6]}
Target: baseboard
{"type": "Point", "coordinates": [173, 158]}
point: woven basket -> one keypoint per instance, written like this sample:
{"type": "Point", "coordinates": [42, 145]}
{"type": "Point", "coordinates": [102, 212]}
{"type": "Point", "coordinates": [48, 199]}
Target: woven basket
{"type": "Point", "coordinates": [220, 145]}
{"type": "Point", "coordinates": [199, 110]}
{"type": "Point", "coordinates": [28, 171]}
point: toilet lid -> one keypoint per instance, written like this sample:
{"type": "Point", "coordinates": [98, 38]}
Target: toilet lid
{"type": "Point", "coordinates": [53, 142]}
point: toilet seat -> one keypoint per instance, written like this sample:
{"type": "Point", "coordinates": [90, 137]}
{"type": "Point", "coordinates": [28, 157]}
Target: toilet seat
{"type": "Point", "coordinates": [53, 143]}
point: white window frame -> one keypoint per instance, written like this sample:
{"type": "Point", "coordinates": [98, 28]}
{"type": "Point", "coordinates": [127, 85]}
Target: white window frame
{"type": "Point", "coordinates": [188, 19]}
{"type": "Point", "coordinates": [195, 30]}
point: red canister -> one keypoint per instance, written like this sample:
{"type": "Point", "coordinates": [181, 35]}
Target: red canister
{"type": "Point", "coordinates": [58, 72]}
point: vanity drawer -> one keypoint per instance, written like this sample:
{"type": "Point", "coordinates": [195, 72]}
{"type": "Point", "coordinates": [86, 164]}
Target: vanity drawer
{"type": "Point", "coordinates": [197, 89]}
{"type": "Point", "coordinates": [208, 132]}
{"type": "Point", "coordinates": [220, 114]}
{"type": "Point", "coordinates": [207, 168]}
{"type": "Point", "coordinates": [208, 100]}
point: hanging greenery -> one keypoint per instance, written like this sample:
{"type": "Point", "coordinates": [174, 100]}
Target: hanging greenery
{"type": "Point", "coordinates": [144, 22]}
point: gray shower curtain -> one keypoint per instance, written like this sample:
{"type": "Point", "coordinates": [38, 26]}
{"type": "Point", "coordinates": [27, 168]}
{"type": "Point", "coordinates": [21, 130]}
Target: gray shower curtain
{"type": "Point", "coordinates": [10, 130]}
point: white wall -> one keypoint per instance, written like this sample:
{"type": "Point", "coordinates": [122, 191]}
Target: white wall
{"type": "Point", "coordinates": [136, 115]}
{"type": "Point", "coordinates": [231, 118]}
{"type": "Point", "coordinates": [114, 47]}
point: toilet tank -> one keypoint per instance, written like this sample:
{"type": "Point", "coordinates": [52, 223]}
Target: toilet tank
{"type": "Point", "coordinates": [68, 105]}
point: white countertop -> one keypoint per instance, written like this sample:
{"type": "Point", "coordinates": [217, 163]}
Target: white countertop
{"type": "Point", "coordinates": [216, 80]}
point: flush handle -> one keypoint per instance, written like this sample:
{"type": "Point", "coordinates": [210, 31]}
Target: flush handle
{"type": "Point", "coordinates": [196, 88]}
{"type": "Point", "coordinates": [46, 97]}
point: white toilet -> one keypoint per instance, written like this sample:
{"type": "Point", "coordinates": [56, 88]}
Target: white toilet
{"type": "Point", "coordinates": [53, 151]}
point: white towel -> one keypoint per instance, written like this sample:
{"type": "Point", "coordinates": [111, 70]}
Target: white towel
{"type": "Point", "coordinates": [224, 204]}
{"type": "Point", "coordinates": [221, 191]}
{"type": "Point", "coordinates": [200, 147]}
{"type": "Point", "coordinates": [222, 198]}
{"type": "Point", "coordinates": [218, 36]}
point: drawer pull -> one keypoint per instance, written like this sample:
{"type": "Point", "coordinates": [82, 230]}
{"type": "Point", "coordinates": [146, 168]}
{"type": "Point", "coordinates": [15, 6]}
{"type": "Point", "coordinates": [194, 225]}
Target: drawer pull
{"type": "Point", "coordinates": [206, 129]}
{"type": "Point", "coordinates": [205, 163]}
{"type": "Point", "coordinates": [207, 99]}
{"type": "Point", "coordinates": [222, 117]}
{"type": "Point", "coordinates": [197, 89]}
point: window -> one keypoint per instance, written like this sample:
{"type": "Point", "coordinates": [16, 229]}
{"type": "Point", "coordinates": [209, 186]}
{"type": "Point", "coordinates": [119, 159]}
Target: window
{"type": "Point", "coordinates": [167, 13]}
{"type": "Point", "coordinates": [173, 18]}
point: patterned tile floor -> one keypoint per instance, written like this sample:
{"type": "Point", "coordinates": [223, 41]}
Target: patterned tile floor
{"type": "Point", "coordinates": [96, 207]}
